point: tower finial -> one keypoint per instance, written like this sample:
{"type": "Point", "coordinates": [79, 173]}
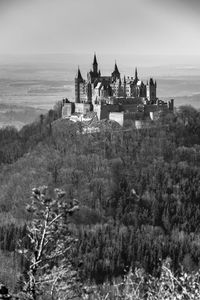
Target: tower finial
{"type": "Point", "coordinates": [116, 67]}
{"type": "Point", "coordinates": [79, 76]}
{"type": "Point", "coordinates": [115, 73]}
{"type": "Point", "coordinates": [136, 73]}
{"type": "Point", "coordinates": [95, 65]}
{"type": "Point", "coordinates": [95, 59]}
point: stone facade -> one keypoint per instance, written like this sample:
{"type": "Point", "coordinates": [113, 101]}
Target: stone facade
{"type": "Point", "coordinates": [97, 88]}
{"type": "Point", "coordinates": [105, 95]}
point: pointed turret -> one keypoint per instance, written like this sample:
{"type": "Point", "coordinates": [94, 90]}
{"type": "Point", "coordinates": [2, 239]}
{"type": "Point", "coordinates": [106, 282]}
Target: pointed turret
{"type": "Point", "coordinates": [136, 74]}
{"type": "Point", "coordinates": [116, 68]}
{"type": "Point", "coordinates": [151, 90]}
{"type": "Point", "coordinates": [79, 76]}
{"type": "Point", "coordinates": [78, 83]}
{"type": "Point", "coordinates": [151, 81]}
{"type": "Point", "coordinates": [124, 88]}
{"type": "Point", "coordinates": [95, 59]}
{"type": "Point", "coordinates": [95, 64]}
{"type": "Point", "coordinates": [115, 73]}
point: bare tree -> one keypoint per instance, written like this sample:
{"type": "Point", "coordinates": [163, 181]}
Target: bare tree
{"type": "Point", "coordinates": [48, 246]}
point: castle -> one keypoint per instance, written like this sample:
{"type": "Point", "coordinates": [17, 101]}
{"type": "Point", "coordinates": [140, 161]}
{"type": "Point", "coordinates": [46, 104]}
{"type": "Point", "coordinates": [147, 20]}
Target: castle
{"type": "Point", "coordinates": [98, 88]}
{"type": "Point", "coordinates": [114, 97]}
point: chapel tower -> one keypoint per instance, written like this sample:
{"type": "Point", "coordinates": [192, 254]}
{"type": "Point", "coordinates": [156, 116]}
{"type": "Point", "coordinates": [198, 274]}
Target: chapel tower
{"type": "Point", "coordinates": [151, 90]}
{"type": "Point", "coordinates": [79, 86]}
{"type": "Point", "coordinates": [95, 65]}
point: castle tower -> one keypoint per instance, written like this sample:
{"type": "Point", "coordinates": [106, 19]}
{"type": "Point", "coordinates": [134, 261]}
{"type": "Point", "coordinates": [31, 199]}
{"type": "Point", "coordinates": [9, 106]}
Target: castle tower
{"type": "Point", "coordinates": [115, 73]}
{"type": "Point", "coordinates": [136, 75]}
{"type": "Point", "coordinates": [151, 90]}
{"type": "Point", "coordinates": [95, 65]}
{"type": "Point", "coordinates": [89, 89]}
{"type": "Point", "coordinates": [78, 85]}
{"type": "Point", "coordinates": [124, 86]}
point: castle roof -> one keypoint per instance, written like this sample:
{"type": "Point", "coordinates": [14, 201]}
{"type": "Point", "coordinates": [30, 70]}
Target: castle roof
{"type": "Point", "coordinates": [79, 76]}
{"type": "Point", "coordinates": [151, 81]}
{"type": "Point", "coordinates": [104, 83]}
{"type": "Point", "coordinates": [95, 60]}
{"type": "Point", "coordinates": [116, 73]}
{"type": "Point", "coordinates": [116, 68]}
{"type": "Point", "coordinates": [105, 78]}
{"type": "Point", "coordinates": [136, 74]}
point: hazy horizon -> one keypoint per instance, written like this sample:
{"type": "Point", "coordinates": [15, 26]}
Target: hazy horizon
{"type": "Point", "coordinates": [42, 80]}
{"type": "Point", "coordinates": [44, 41]}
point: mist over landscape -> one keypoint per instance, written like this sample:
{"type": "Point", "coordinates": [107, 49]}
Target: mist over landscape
{"type": "Point", "coordinates": [32, 84]}
{"type": "Point", "coordinates": [99, 149]}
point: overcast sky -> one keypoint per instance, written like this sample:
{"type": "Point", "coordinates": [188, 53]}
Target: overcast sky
{"type": "Point", "coordinates": [104, 26]}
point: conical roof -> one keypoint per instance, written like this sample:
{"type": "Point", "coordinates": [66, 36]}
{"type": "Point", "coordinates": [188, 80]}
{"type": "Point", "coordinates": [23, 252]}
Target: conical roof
{"type": "Point", "coordinates": [116, 73]}
{"type": "Point", "coordinates": [95, 59]}
{"type": "Point", "coordinates": [79, 76]}
{"type": "Point", "coordinates": [116, 68]}
{"type": "Point", "coordinates": [136, 73]}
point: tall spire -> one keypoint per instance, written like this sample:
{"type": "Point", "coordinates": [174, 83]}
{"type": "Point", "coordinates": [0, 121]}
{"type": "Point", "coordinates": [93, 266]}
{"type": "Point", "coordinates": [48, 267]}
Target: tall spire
{"type": "Point", "coordinates": [78, 81]}
{"type": "Point", "coordinates": [79, 76]}
{"type": "Point", "coordinates": [95, 65]}
{"type": "Point", "coordinates": [115, 73]}
{"type": "Point", "coordinates": [136, 74]}
{"type": "Point", "coordinates": [95, 60]}
{"type": "Point", "coordinates": [116, 68]}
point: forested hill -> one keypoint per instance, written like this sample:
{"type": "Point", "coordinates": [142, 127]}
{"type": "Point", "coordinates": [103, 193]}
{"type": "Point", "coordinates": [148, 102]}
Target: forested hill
{"type": "Point", "coordinates": [15, 143]}
{"type": "Point", "coordinates": [139, 189]}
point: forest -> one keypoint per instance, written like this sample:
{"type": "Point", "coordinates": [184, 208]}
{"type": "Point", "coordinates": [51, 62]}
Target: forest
{"type": "Point", "coordinates": [138, 190]}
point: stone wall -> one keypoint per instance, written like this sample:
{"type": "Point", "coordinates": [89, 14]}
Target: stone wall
{"type": "Point", "coordinates": [103, 110]}
{"type": "Point", "coordinates": [82, 108]}
{"type": "Point", "coordinates": [68, 109]}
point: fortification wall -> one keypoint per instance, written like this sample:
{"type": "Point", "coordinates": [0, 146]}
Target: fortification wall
{"type": "Point", "coordinates": [82, 108]}
{"type": "Point", "coordinates": [103, 111]}
{"type": "Point", "coordinates": [68, 109]}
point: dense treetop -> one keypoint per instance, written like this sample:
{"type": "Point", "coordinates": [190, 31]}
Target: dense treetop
{"type": "Point", "coordinates": [139, 189]}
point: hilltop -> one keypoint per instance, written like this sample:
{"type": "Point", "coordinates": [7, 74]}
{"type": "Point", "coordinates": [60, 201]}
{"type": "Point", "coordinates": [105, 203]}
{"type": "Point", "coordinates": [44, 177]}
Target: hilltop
{"type": "Point", "coordinates": [138, 189]}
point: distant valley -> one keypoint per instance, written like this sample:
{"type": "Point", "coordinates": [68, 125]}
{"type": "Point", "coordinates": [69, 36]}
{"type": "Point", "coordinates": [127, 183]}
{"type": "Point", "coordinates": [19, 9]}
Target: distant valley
{"type": "Point", "coordinates": [18, 116]}
{"type": "Point", "coordinates": [30, 86]}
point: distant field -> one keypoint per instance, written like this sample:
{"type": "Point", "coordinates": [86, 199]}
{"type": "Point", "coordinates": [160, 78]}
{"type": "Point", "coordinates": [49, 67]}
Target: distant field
{"type": "Point", "coordinates": [18, 116]}
{"type": "Point", "coordinates": [33, 85]}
